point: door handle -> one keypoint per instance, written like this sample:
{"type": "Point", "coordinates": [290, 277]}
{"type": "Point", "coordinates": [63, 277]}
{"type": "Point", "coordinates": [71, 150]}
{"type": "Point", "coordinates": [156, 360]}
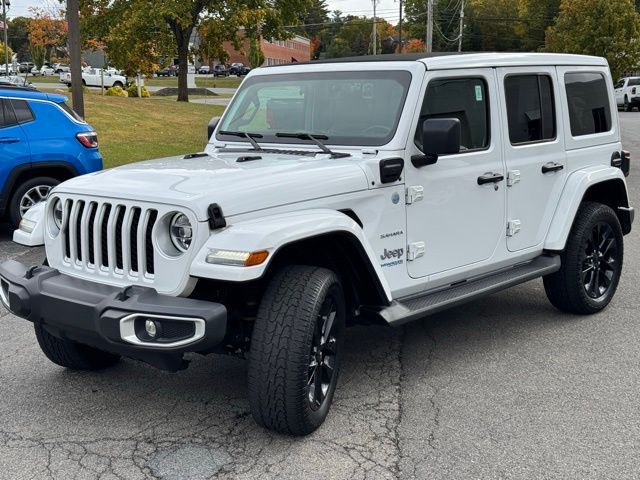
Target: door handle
{"type": "Point", "coordinates": [552, 167]}
{"type": "Point", "coordinates": [9, 140]}
{"type": "Point", "coordinates": [490, 178]}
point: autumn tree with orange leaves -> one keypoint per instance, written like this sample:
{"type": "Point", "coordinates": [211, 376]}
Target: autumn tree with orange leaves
{"type": "Point", "coordinates": [46, 33]}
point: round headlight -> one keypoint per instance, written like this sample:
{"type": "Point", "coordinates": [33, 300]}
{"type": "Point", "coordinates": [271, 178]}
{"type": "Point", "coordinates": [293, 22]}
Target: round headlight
{"type": "Point", "coordinates": [57, 213]}
{"type": "Point", "coordinates": [181, 232]}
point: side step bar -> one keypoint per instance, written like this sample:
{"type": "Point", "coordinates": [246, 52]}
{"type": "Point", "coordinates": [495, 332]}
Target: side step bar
{"type": "Point", "coordinates": [413, 307]}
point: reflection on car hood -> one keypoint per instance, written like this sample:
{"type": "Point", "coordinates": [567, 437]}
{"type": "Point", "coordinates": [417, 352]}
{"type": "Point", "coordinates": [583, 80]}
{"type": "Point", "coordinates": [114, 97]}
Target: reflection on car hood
{"type": "Point", "coordinates": [238, 187]}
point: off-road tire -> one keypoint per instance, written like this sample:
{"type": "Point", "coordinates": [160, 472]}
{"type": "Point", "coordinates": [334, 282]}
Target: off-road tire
{"type": "Point", "coordinates": [19, 192]}
{"type": "Point", "coordinates": [69, 354]}
{"type": "Point", "coordinates": [565, 288]}
{"type": "Point", "coordinates": [282, 348]}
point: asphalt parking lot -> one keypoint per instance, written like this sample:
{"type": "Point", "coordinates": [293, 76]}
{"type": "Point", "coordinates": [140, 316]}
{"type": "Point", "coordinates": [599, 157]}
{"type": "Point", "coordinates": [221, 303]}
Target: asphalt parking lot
{"type": "Point", "coordinates": [502, 388]}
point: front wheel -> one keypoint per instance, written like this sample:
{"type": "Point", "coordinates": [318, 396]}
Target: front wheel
{"type": "Point", "coordinates": [28, 194]}
{"type": "Point", "coordinates": [296, 350]}
{"type": "Point", "coordinates": [627, 105]}
{"type": "Point", "coordinates": [591, 262]}
{"type": "Point", "coordinates": [118, 84]}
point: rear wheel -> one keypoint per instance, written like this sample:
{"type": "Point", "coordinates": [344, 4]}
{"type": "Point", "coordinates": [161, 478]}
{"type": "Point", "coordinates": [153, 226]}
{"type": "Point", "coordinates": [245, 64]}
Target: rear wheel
{"type": "Point", "coordinates": [295, 350]}
{"type": "Point", "coordinates": [73, 355]}
{"type": "Point", "coordinates": [27, 195]}
{"type": "Point", "coordinates": [591, 262]}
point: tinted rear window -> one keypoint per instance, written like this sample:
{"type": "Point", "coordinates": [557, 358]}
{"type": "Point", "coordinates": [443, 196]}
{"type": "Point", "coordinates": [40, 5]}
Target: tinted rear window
{"type": "Point", "coordinates": [70, 111]}
{"type": "Point", "coordinates": [22, 111]}
{"type": "Point", "coordinates": [589, 108]}
{"type": "Point", "coordinates": [530, 108]}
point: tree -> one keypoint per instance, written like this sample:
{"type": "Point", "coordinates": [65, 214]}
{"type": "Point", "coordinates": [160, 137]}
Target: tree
{"type": "Point", "coordinates": [19, 37]}
{"type": "Point", "coordinates": [2, 54]}
{"type": "Point", "coordinates": [415, 45]}
{"type": "Point", "coordinates": [47, 32]}
{"type": "Point", "coordinates": [537, 15]}
{"type": "Point", "coordinates": [133, 30]}
{"type": "Point", "coordinates": [610, 30]}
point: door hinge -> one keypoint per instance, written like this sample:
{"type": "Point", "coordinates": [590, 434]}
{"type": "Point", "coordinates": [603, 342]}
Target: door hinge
{"type": "Point", "coordinates": [414, 194]}
{"type": "Point", "coordinates": [513, 227]}
{"type": "Point", "coordinates": [513, 177]}
{"type": "Point", "coordinates": [415, 250]}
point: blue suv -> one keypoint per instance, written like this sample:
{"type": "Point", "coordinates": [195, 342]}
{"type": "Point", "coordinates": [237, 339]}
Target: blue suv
{"type": "Point", "coordinates": [42, 142]}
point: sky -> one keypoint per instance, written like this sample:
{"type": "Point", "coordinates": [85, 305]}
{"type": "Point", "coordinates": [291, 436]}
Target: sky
{"type": "Point", "coordinates": [386, 8]}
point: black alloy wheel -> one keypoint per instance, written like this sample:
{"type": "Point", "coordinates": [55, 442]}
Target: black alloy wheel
{"type": "Point", "coordinates": [322, 359]}
{"type": "Point", "coordinates": [601, 264]}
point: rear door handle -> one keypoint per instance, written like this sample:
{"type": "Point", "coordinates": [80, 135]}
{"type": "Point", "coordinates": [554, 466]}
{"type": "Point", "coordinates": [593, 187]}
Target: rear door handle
{"type": "Point", "coordinates": [552, 167]}
{"type": "Point", "coordinates": [9, 140]}
{"type": "Point", "coordinates": [490, 178]}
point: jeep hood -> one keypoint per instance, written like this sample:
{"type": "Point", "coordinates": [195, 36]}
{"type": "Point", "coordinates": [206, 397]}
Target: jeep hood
{"type": "Point", "coordinates": [238, 187]}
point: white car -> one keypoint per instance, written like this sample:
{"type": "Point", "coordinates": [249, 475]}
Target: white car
{"type": "Point", "coordinates": [331, 193]}
{"type": "Point", "coordinates": [94, 77]}
{"type": "Point", "coordinates": [627, 92]}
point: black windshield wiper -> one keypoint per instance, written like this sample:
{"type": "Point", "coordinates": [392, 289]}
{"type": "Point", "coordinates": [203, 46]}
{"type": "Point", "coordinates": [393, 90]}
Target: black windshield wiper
{"type": "Point", "coordinates": [315, 139]}
{"type": "Point", "coordinates": [247, 135]}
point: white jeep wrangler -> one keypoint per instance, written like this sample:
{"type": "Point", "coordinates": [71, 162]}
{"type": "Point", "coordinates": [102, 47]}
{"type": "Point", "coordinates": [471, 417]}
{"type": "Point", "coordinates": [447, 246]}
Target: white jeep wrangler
{"type": "Point", "coordinates": [381, 188]}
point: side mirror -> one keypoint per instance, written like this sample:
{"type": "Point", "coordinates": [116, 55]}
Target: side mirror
{"type": "Point", "coordinates": [213, 123]}
{"type": "Point", "coordinates": [440, 136]}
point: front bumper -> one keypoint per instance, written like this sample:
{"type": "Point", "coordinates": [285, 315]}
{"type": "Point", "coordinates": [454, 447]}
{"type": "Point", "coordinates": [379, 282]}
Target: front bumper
{"type": "Point", "coordinates": [110, 318]}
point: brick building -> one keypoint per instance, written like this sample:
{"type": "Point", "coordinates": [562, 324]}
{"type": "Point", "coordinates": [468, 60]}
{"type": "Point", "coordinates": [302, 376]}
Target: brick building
{"type": "Point", "coordinates": [276, 52]}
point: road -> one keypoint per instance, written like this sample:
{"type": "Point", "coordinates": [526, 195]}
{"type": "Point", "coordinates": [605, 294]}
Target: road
{"type": "Point", "coordinates": [502, 388]}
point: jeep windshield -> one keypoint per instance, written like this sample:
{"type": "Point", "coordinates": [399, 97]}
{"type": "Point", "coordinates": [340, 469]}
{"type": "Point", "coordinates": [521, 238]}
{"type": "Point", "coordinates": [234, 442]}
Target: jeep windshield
{"type": "Point", "coordinates": [348, 108]}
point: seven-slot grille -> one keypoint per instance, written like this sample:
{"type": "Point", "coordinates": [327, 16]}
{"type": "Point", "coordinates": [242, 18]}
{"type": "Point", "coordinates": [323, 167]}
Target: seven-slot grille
{"type": "Point", "coordinates": [111, 237]}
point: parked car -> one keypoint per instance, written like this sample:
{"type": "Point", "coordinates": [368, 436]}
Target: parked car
{"type": "Point", "coordinates": [42, 143]}
{"type": "Point", "coordinates": [3, 69]}
{"type": "Point", "coordinates": [204, 70]}
{"type": "Point", "coordinates": [16, 81]}
{"type": "Point", "coordinates": [60, 68]}
{"type": "Point", "coordinates": [379, 190]}
{"type": "Point", "coordinates": [627, 93]}
{"type": "Point", "coordinates": [170, 71]}
{"type": "Point", "coordinates": [45, 70]}
{"type": "Point", "coordinates": [239, 69]}
{"type": "Point", "coordinates": [94, 77]}
{"type": "Point", "coordinates": [26, 67]}
{"type": "Point", "coordinates": [220, 71]}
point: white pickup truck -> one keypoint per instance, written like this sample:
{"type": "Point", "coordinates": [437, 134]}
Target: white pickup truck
{"type": "Point", "coordinates": [93, 77]}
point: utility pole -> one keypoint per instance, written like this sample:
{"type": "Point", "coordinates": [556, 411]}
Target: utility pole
{"type": "Point", "coordinates": [461, 25]}
{"type": "Point", "coordinates": [73, 17]}
{"type": "Point", "coordinates": [5, 4]}
{"type": "Point", "coordinates": [429, 26]}
{"type": "Point", "coordinates": [375, 33]}
{"type": "Point", "coordinates": [400, 28]}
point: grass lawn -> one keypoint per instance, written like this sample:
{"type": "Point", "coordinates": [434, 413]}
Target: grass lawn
{"type": "Point", "coordinates": [43, 79]}
{"type": "Point", "coordinates": [132, 129]}
{"type": "Point", "coordinates": [205, 82]}
{"type": "Point", "coordinates": [220, 82]}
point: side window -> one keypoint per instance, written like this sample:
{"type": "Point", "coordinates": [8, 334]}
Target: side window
{"type": "Point", "coordinates": [588, 99]}
{"type": "Point", "coordinates": [22, 111]}
{"type": "Point", "coordinates": [634, 82]}
{"type": "Point", "coordinates": [461, 98]}
{"type": "Point", "coordinates": [7, 118]}
{"type": "Point", "coordinates": [530, 108]}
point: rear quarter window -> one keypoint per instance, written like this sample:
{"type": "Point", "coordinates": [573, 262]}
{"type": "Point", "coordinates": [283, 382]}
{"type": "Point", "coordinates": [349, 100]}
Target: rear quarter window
{"type": "Point", "coordinates": [588, 99]}
{"type": "Point", "coordinates": [70, 111]}
{"type": "Point", "coordinates": [22, 111]}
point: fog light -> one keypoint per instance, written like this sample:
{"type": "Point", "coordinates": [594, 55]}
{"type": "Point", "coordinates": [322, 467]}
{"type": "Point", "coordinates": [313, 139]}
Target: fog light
{"type": "Point", "coordinates": [151, 328]}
